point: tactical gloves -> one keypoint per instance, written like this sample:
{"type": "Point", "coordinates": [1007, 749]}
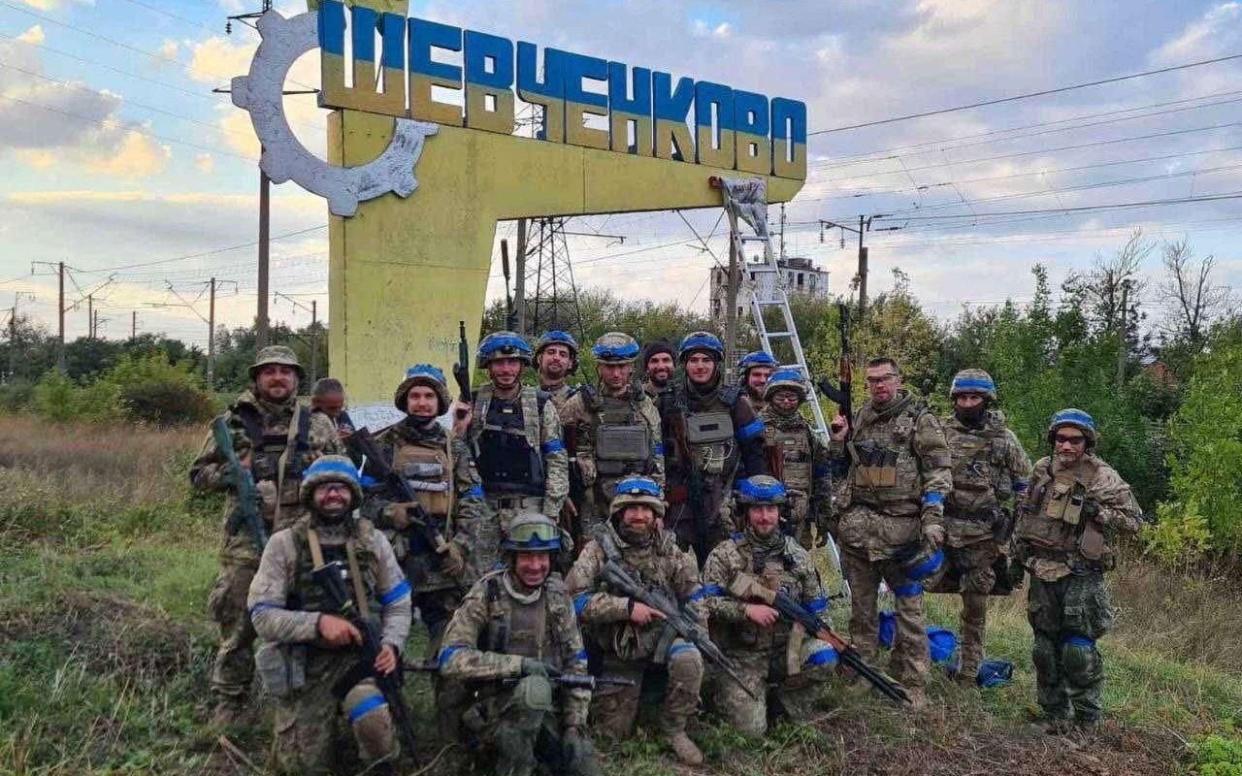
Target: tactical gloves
{"type": "Point", "coordinates": [533, 667]}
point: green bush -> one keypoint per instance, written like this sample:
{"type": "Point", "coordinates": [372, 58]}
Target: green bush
{"type": "Point", "coordinates": [61, 400]}
{"type": "Point", "coordinates": [16, 396]}
{"type": "Point", "coordinates": [154, 391]}
{"type": "Point", "coordinates": [1218, 756]}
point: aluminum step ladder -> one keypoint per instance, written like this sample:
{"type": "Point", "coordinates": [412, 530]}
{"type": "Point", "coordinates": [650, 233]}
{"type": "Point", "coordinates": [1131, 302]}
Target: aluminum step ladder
{"type": "Point", "coordinates": [745, 200]}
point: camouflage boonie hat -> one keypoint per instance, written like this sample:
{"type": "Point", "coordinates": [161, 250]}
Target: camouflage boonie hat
{"type": "Point", "coordinates": [637, 490]}
{"type": "Point", "coordinates": [276, 354]}
{"type": "Point", "coordinates": [973, 381]}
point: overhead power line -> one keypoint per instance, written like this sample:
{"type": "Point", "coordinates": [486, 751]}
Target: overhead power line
{"type": "Point", "coordinates": [1081, 208]}
{"type": "Point", "coordinates": [1027, 96]}
{"type": "Point", "coordinates": [201, 254]}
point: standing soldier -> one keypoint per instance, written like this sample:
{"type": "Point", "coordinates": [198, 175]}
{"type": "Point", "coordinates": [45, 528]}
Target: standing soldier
{"type": "Point", "coordinates": [658, 368]}
{"type": "Point", "coordinates": [753, 371]}
{"type": "Point", "coordinates": [556, 358]}
{"type": "Point", "coordinates": [518, 624]}
{"type": "Point", "coordinates": [515, 434]}
{"type": "Point", "coordinates": [617, 429]}
{"type": "Point", "coordinates": [713, 434]}
{"type": "Point", "coordinates": [628, 635]}
{"type": "Point", "coordinates": [892, 524]}
{"type": "Point", "coordinates": [776, 657]}
{"type": "Point", "coordinates": [328, 397]}
{"type": "Point", "coordinates": [309, 658]}
{"type": "Point", "coordinates": [796, 456]}
{"type": "Point", "coordinates": [1075, 505]}
{"type": "Point", "coordinates": [990, 469]}
{"type": "Point", "coordinates": [444, 540]}
{"type": "Point", "coordinates": [277, 438]}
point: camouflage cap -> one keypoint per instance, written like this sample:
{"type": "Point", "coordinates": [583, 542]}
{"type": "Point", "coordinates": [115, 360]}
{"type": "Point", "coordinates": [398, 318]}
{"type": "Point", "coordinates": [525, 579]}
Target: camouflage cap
{"type": "Point", "coordinates": [973, 381]}
{"type": "Point", "coordinates": [637, 490]}
{"type": "Point", "coordinates": [276, 354]}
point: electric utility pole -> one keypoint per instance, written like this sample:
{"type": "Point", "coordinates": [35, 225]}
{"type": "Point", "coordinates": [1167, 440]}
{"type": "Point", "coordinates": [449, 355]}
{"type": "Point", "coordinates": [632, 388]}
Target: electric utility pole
{"type": "Point", "coordinates": [864, 225]}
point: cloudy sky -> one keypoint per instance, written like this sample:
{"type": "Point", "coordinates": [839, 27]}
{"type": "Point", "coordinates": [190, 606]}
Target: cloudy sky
{"type": "Point", "coordinates": [118, 160]}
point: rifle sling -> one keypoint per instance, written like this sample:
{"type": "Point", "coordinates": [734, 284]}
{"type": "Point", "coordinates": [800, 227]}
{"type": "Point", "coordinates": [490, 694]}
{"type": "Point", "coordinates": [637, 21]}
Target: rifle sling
{"type": "Point", "coordinates": [316, 551]}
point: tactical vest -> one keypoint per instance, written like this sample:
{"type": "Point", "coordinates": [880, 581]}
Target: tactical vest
{"type": "Point", "coordinates": [308, 596]}
{"type": "Point", "coordinates": [270, 439]}
{"type": "Point", "coordinates": [428, 469]}
{"type": "Point", "coordinates": [625, 639]}
{"type": "Point", "coordinates": [886, 471]}
{"type": "Point", "coordinates": [710, 434]}
{"type": "Point", "coordinates": [981, 477]}
{"type": "Point", "coordinates": [776, 574]}
{"type": "Point", "coordinates": [622, 439]}
{"type": "Point", "coordinates": [1051, 524]}
{"type": "Point", "coordinates": [510, 457]}
{"type": "Point", "coordinates": [518, 628]}
{"type": "Point", "coordinates": [793, 440]}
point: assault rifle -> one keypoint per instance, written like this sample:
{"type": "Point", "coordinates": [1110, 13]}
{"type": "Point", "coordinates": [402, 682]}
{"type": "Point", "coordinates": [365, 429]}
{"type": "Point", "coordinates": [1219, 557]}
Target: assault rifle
{"type": "Point", "coordinates": [425, 535]}
{"type": "Point", "coordinates": [694, 478]}
{"type": "Point", "coordinates": [843, 394]}
{"type": "Point", "coordinates": [676, 621]}
{"type": "Point", "coordinates": [461, 369]}
{"type": "Point", "coordinates": [557, 677]}
{"type": "Point", "coordinates": [331, 580]}
{"type": "Point", "coordinates": [746, 586]}
{"type": "Point", "coordinates": [246, 513]}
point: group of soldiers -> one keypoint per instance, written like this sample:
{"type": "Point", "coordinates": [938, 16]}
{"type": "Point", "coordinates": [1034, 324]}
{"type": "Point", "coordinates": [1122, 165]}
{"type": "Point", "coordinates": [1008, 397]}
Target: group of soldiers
{"type": "Point", "coordinates": [571, 550]}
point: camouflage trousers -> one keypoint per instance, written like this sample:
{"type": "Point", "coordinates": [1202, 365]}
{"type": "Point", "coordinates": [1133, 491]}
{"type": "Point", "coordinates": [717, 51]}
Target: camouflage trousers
{"type": "Point", "coordinates": [764, 672]}
{"type": "Point", "coordinates": [972, 565]}
{"type": "Point", "coordinates": [233, 670]}
{"type": "Point", "coordinates": [614, 709]}
{"type": "Point", "coordinates": [521, 729]}
{"type": "Point", "coordinates": [1067, 616]}
{"type": "Point", "coordinates": [308, 720]}
{"type": "Point", "coordinates": [910, 659]}
{"type": "Point", "coordinates": [435, 609]}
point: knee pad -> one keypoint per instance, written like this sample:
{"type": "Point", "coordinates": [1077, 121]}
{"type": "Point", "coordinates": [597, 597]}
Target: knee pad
{"type": "Point", "coordinates": [534, 694]}
{"type": "Point", "coordinates": [371, 722]}
{"type": "Point", "coordinates": [1080, 661]}
{"type": "Point", "coordinates": [1044, 655]}
{"type": "Point", "coordinates": [684, 661]}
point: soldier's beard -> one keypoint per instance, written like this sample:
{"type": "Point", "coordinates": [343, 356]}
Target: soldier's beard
{"type": "Point", "coordinates": [333, 514]}
{"type": "Point", "coordinates": [635, 536]}
{"type": "Point", "coordinates": [971, 416]}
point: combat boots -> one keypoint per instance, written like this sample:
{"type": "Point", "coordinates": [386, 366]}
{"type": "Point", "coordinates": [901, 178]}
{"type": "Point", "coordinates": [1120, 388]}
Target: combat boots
{"type": "Point", "coordinates": [227, 713]}
{"type": "Point", "coordinates": [685, 749]}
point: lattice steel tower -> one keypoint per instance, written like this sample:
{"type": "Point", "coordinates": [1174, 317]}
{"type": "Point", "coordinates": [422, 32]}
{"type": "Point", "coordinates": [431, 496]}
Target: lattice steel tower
{"type": "Point", "coordinates": [554, 303]}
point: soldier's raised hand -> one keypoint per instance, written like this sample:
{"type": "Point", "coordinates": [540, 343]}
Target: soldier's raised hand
{"type": "Point", "coordinates": [337, 631]}
{"type": "Point", "coordinates": [763, 616]}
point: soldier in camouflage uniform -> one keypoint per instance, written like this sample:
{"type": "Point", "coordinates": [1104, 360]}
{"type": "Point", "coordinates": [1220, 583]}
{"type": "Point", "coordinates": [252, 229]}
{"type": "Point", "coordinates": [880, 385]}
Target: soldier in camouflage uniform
{"type": "Point", "coordinates": [441, 473]}
{"type": "Point", "coordinates": [307, 648]}
{"type": "Point", "coordinates": [990, 470]}
{"type": "Point", "coordinates": [518, 624]}
{"type": "Point", "coordinates": [514, 432]}
{"type": "Point", "coordinates": [626, 634]}
{"type": "Point", "coordinates": [891, 524]}
{"type": "Point", "coordinates": [796, 456]}
{"type": "Point", "coordinates": [1074, 507]}
{"type": "Point", "coordinates": [616, 429]}
{"type": "Point", "coordinates": [722, 438]}
{"type": "Point", "coordinates": [778, 662]}
{"type": "Point", "coordinates": [278, 438]}
{"type": "Point", "coordinates": [753, 372]}
{"type": "Point", "coordinates": [556, 358]}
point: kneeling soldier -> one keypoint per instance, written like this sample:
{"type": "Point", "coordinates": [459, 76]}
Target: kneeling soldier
{"type": "Point", "coordinates": [778, 662]}
{"type": "Point", "coordinates": [630, 636]}
{"type": "Point", "coordinates": [517, 624]}
{"type": "Point", "coordinates": [310, 659]}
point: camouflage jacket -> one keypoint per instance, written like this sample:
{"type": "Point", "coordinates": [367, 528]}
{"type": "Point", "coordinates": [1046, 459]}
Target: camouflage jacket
{"type": "Point", "coordinates": [591, 408]}
{"type": "Point", "coordinates": [560, 395]}
{"type": "Point", "coordinates": [605, 613]}
{"type": "Point", "coordinates": [497, 625]}
{"type": "Point", "coordinates": [1054, 537]}
{"type": "Point", "coordinates": [899, 475]}
{"type": "Point", "coordinates": [285, 602]}
{"type": "Point", "coordinates": [265, 431]}
{"type": "Point", "coordinates": [990, 470]}
{"type": "Point", "coordinates": [804, 461]}
{"type": "Point", "coordinates": [778, 563]}
{"type": "Point", "coordinates": [460, 511]}
{"type": "Point", "coordinates": [541, 428]}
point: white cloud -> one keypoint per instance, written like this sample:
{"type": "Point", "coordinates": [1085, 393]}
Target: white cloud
{"type": "Point", "coordinates": [33, 36]}
{"type": "Point", "coordinates": [205, 163]}
{"type": "Point", "coordinates": [168, 49]}
{"type": "Point", "coordinates": [136, 156]}
{"type": "Point", "coordinates": [217, 59]}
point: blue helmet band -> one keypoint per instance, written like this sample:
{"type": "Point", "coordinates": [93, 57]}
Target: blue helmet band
{"type": "Point", "coordinates": [637, 486]}
{"type": "Point", "coordinates": [616, 353]}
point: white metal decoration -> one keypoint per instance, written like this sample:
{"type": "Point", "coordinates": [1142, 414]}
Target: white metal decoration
{"type": "Point", "coordinates": [284, 157]}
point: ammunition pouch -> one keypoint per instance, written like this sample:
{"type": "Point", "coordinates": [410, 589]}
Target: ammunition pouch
{"type": "Point", "coordinates": [621, 449]}
{"type": "Point", "coordinates": [1091, 543]}
{"type": "Point", "coordinates": [709, 428]}
{"type": "Point", "coordinates": [874, 466]}
{"type": "Point", "coordinates": [281, 667]}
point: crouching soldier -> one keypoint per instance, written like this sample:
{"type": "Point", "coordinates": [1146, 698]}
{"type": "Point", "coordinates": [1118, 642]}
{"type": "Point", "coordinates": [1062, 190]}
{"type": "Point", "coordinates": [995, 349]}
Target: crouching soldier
{"type": "Point", "coordinates": [309, 658]}
{"type": "Point", "coordinates": [629, 636]}
{"type": "Point", "coordinates": [1075, 505]}
{"type": "Point", "coordinates": [514, 630]}
{"type": "Point", "coordinates": [778, 662]}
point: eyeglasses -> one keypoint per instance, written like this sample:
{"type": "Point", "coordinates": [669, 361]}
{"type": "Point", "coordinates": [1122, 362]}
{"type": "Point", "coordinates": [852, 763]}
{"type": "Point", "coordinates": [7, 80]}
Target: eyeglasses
{"type": "Point", "coordinates": [1066, 439]}
{"type": "Point", "coordinates": [335, 487]}
{"type": "Point", "coordinates": [881, 379]}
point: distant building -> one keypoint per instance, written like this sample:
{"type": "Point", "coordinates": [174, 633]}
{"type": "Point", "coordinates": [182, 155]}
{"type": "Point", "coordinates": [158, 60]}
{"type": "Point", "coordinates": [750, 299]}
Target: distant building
{"type": "Point", "coordinates": [801, 276]}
